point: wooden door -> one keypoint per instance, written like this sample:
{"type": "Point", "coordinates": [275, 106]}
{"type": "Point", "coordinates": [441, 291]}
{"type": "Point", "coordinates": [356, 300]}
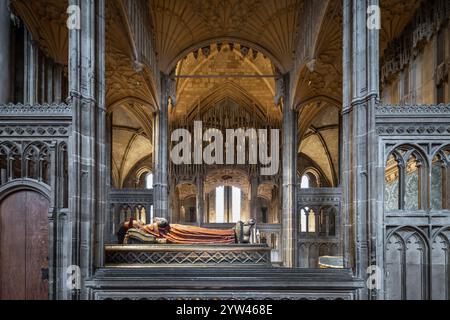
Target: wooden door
{"type": "Point", "coordinates": [24, 247]}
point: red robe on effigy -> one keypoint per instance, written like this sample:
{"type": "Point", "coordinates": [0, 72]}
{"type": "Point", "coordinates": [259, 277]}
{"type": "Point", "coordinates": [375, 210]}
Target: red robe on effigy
{"type": "Point", "coordinates": [181, 234]}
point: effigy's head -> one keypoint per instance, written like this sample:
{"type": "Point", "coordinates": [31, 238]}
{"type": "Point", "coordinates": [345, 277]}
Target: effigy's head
{"type": "Point", "coordinates": [161, 222]}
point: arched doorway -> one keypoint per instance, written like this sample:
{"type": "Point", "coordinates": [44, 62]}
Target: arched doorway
{"type": "Point", "coordinates": [24, 246]}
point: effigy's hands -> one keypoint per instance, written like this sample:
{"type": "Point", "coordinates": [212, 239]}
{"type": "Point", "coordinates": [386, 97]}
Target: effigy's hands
{"type": "Point", "coordinates": [137, 224]}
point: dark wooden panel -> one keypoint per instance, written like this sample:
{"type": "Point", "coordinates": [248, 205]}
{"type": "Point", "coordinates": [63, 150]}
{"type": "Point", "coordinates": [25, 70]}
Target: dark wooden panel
{"type": "Point", "coordinates": [23, 246]}
{"type": "Point", "coordinates": [12, 247]}
{"type": "Point", "coordinates": [37, 247]}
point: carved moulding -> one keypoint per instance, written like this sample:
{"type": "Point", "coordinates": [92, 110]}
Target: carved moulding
{"type": "Point", "coordinates": [408, 120]}
{"type": "Point", "coordinates": [34, 131]}
{"type": "Point", "coordinates": [36, 109]}
{"type": "Point", "coordinates": [40, 120]}
{"type": "Point", "coordinates": [412, 109]}
{"type": "Point", "coordinates": [422, 129]}
{"type": "Point", "coordinates": [319, 196]}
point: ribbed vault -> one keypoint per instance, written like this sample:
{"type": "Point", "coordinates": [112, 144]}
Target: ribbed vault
{"type": "Point", "coordinates": [180, 24]}
{"type": "Point", "coordinates": [319, 136]}
{"type": "Point", "coordinates": [211, 78]}
{"type": "Point", "coordinates": [132, 140]}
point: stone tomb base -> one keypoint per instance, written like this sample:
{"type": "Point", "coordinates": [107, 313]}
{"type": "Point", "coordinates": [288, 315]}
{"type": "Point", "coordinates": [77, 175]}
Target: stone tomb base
{"type": "Point", "coordinates": [172, 255]}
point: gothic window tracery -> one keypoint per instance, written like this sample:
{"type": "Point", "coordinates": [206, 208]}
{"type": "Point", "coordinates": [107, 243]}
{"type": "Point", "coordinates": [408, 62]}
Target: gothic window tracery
{"type": "Point", "coordinates": [310, 179]}
{"type": "Point", "coordinates": [137, 212]}
{"type": "Point", "coordinates": [405, 182]}
{"type": "Point", "coordinates": [406, 265]}
{"type": "Point", "coordinates": [440, 265]}
{"type": "Point", "coordinates": [4, 164]}
{"type": "Point", "coordinates": [33, 163]}
{"type": "Point", "coordinates": [318, 221]}
{"type": "Point", "coordinates": [15, 159]}
{"type": "Point", "coordinates": [440, 180]}
{"type": "Point", "coordinates": [36, 159]}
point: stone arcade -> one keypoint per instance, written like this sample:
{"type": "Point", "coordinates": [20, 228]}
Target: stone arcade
{"type": "Point", "coordinates": [88, 107]}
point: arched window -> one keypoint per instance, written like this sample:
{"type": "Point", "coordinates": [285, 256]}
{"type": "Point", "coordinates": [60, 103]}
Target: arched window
{"type": "Point", "coordinates": [440, 180]}
{"type": "Point", "coordinates": [220, 204]}
{"type": "Point", "coordinates": [412, 183]}
{"type": "Point", "coordinates": [305, 183]}
{"type": "Point", "coordinates": [392, 184]}
{"type": "Point", "coordinates": [307, 220]}
{"type": "Point", "coordinates": [318, 221]}
{"type": "Point", "coordinates": [303, 219]}
{"type": "Point", "coordinates": [36, 158]}
{"type": "Point", "coordinates": [149, 181]}
{"type": "Point", "coordinates": [405, 181]}
{"type": "Point", "coordinates": [310, 179]}
{"type": "Point", "coordinates": [3, 165]}
{"type": "Point", "coordinates": [228, 204]}
{"type": "Point", "coordinates": [236, 203]}
{"type": "Point", "coordinates": [312, 221]}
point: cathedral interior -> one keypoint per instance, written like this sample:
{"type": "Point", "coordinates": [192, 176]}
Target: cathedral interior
{"type": "Point", "coordinates": [92, 91]}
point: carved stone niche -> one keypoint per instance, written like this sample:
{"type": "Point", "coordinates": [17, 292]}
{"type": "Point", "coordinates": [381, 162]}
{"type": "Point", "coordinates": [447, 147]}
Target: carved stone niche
{"type": "Point", "coordinates": [426, 22]}
{"type": "Point", "coordinates": [442, 71]}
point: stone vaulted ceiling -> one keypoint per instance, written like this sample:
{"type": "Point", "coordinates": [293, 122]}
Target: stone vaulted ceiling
{"type": "Point", "coordinates": [46, 20]}
{"type": "Point", "coordinates": [131, 143]}
{"type": "Point", "coordinates": [321, 77]}
{"type": "Point", "coordinates": [181, 24]}
{"type": "Point", "coordinates": [122, 80]}
{"type": "Point", "coordinates": [319, 136]}
{"type": "Point", "coordinates": [228, 61]}
{"type": "Point", "coordinates": [395, 16]}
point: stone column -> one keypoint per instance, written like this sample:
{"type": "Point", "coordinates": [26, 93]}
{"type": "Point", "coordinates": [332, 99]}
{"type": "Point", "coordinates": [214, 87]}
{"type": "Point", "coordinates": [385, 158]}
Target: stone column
{"type": "Point", "coordinates": [103, 142]}
{"type": "Point", "coordinates": [161, 158]}
{"type": "Point", "coordinates": [254, 197]}
{"type": "Point", "coordinates": [50, 83]}
{"type": "Point", "coordinates": [88, 168]}
{"type": "Point", "coordinates": [30, 69]}
{"type": "Point", "coordinates": [42, 65]}
{"type": "Point", "coordinates": [289, 169]}
{"type": "Point", "coordinates": [359, 153]}
{"type": "Point", "coordinates": [57, 83]}
{"type": "Point", "coordinates": [200, 200]}
{"type": "Point", "coordinates": [5, 52]}
{"type": "Point", "coordinates": [448, 60]}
